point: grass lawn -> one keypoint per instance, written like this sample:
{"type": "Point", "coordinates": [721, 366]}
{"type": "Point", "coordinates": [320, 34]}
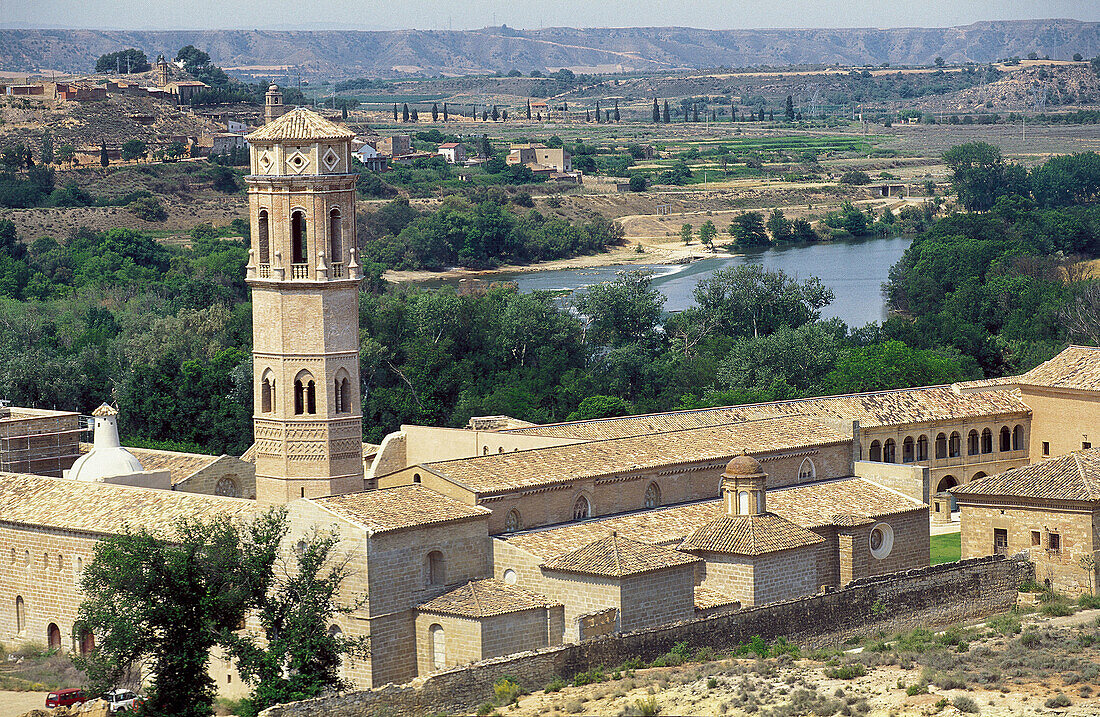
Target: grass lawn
{"type": "Point", "coordinates": [946, 548]}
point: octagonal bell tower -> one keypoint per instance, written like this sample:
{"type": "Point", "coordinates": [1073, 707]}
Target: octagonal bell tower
{"type": "Point", "coordinates": [304, 278]}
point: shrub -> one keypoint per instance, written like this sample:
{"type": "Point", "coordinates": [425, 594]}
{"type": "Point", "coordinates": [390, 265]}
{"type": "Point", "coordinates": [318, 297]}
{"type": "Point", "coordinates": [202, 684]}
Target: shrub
{"type": "Point", "coordinates": [555, 686]}
{"type": "Point", "coordinates": [965, 703]}
{"type": "Point", "coordinates": [1007, 624]}
{"type": "Point", "coordinates": [634, 663]}
{"type": "Point", "coordinates": [846, 672]}
{"type": "Point", "coordinates": [1056, 608]}
{"type": "Point", "coordinates": [1089, 602]}
{"type": "Point", "coordinates": [587, 678]}
{"type": "Point", "coordinates": [711, 683]}
{"type": "Point", "coordinates": [647, 707]}
{"type": "Point", "coordinates": [506, 691]}
{"type": "Point", "coordinates": [148, 209]}
{"type": "Point", "coordinates": [855, 176]}
{"type": "Point", "coordinates": [917, 688]}
{"type": "Point", "coordinates": [1058, 700]}
{"type": "Point", "coordinates": [1030, 640]}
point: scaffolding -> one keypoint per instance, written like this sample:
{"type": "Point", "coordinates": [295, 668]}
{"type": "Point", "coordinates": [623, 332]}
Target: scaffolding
{"type": "Point", "coordinates": [42, 445]}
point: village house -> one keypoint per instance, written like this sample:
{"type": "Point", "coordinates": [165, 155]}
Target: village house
{"type": "Point", "coordinates": [453, 152]}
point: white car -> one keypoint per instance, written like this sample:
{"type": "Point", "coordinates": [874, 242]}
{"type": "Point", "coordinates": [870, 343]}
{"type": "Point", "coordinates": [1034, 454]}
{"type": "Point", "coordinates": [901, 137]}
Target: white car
{"type": "Point", "coordinates": [120, 700]}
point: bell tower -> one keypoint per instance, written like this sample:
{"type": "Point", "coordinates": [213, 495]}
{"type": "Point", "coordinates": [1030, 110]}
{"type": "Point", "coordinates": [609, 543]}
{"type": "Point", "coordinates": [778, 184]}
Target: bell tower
{"type": "Point", "coordinates": [304, 278]}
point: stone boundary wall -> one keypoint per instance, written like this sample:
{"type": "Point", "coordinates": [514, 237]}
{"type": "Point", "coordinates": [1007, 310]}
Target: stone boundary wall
{"type": "Point", "coordinates": [936, 596]}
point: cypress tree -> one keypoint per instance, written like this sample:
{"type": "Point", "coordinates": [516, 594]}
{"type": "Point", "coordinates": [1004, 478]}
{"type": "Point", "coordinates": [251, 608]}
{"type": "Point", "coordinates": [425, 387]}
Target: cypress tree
{"type": "Point", "coordinates": [435, 112]}
{"type": "Point", "coordinates": [564, 106]}
{"type": "Point", "coordinates": [733, 112]}
{"type": "Point", "coordinates": [588, 115]}
{"type": "Point", "coordinates": [495, 114]}
{"type": "Point", "coordinates": [597, 111]}
{"type": "Point", "coordinates": [405, 112]}
{"type": "Point", "coordinates": [415, 116]}
{"type": "Point", "coordinates": [528, 109]}
{"type": "Point", "coordinates": [103, 159]}
{"type": "Point", "coordinates": [714, 115]}
{"type": "Point", "coordinates": [667, 117]}
{"type": "Point", "coordinates": [656, 112]}
{"type": "Point", "coordinates": [771, 115]}
{"type": "Point", "coordinates": [790, 109]}
{"type": "Point", "coordinates": [444, 111]}
{"type": "Point", "coordinates": [616, 110]}
{"type": "Point", "coordinates": [694, 112]}
{"type": "Point", "coordinates": [394, 111]}
{"type": "Point", "coordinates": [607, 115]}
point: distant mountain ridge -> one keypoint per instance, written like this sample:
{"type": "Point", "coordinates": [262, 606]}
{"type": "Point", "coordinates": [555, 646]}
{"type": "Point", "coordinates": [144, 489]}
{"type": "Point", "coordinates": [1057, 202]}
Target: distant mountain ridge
{"type": "Point", "coordinates": [395, 53]}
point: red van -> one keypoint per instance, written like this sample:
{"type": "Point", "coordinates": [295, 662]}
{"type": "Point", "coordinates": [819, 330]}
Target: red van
{"type": "Point", "coordinates": [64, 698]}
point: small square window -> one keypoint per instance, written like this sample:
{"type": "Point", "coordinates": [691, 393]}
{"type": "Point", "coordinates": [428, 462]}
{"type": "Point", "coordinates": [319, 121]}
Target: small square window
{"type": "Point", "coordinates": [1046, 448]}
{"type": "Point", "coordinates": [1085, 445]}
{"type": "Point", "coordinates": [1036, 538]}
{"type": "Point", "coordinates": [1054, 543]}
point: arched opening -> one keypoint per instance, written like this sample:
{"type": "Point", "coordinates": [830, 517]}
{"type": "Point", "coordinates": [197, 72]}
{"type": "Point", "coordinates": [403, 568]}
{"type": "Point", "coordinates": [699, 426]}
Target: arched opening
{"type": "Point", "coordinates": [908, 450]}
{"type": "Point", "coordinates": [743, 502]}
{"type": "Point", "coordinates": [987, 441]}
{"type": "Point", "coordinates": [807, 471]}
{"type": "Point", "coordinates": [876, 451]}
{"type": "Point", "coordinates": [889, 451]}
{"type": "Point", "coordinates": [263, 237]}
{"type": "Point", "coordinates": [955, 449]}
{"type": "Point", "coordinates": [512, 521]}
{"type": "Point", "coordinates": [305, 394]}
{"type": "Point", "coordinates": [978, 476]}
{"type": "Point", "coordinates": [87, 642]}
{"type": "Point", "coordinates": [941, 446]}
{"type": "Point", "coordinates": [20, 615]}
{"type": "Point", "coordinates": [227, 487]}
{"type": "Point", "coordinates": [1017, 437]}
{"type": "Point", "coordinates": [439, 649]}
{"type": "Point", "coordinates": [1006, 439]}
{"type": "Point", "coordinates": [436, 568]}
{"type": "Point", "coordinates": [53, 636]}
{"type": "Point", "coordinates": [652, 496]}
{"type": "Point", "coordinates": [334, 630]}
{"type": "Point", "coordinates": [946, 483]}
{"type": "Point", "coordinates": [267, 392]}
{"type": "Point", "coordinates": [298, 249]}
{"type": "Point", "coordinates": [343, 395]}
{"type": "Point", "coordinates": [972, 443]}
{"type": "Point", "coordinates": [922, 448]}
{"type": "Point", "coordinates": [336, 240]}
{"type": "Point", "coordinates": [581, 508]}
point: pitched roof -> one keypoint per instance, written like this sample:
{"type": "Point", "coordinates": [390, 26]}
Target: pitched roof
{"type": "Point", "coordinates": [880, 408]}
{"type": "Point", "coordinates": [485, 598]}
{"type": "Point", "coordinates": [560, 464]}
{"type": "Point", "coordinates": [300, 125]}
{"type": "Point", "coordinates": [1074, 476]}
{"type": "Point", "coordinates": [180, 465]}
{"type": "Point", "coordinates": [750, 535]}
{"type": "Point", "coordinates": [705, 598]}
{"type": "Point", "coordinates": [106, 508]}
{"type": "Point", "coordinates": [617, 557]}
{"type": "Point", "coordinates": [1077, 367]}
{"type": "Point", "coordinates": [842, 501]}
{"type": "Point", "coordinates": [390, 509]}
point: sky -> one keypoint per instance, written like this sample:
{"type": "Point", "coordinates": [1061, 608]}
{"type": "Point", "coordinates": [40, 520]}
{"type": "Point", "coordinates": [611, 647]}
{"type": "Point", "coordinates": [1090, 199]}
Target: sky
{"type": "Point", "coordinates": [524, 14]}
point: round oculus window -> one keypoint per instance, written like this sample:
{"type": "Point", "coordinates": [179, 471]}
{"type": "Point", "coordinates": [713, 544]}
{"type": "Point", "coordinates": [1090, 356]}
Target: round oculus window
{"type": "Point", "coordinates": [881, 540]}
{"type": "Point", "coordinates": [510, 576]}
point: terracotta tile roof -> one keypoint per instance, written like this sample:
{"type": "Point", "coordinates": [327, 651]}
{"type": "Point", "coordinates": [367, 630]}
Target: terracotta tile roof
{"type": "Point", "coordinates": [706, 599]}
{"type": "Point", "coordinates": [382, 511]}
{"type": "Point", "coordinates": [180, 465]}
{"type": "Point", "coordinates": [485, 598]}
{"type": "Point", "coordinates": [559, 464]}
{"type": "Point", "coordinates": [615, 557]}
{"type": "Point", "coordinates": [881, 408]}
{"type": "Point", "coordinates": [1077, 367]}
{"type": "Point", "coordinates": [750, 535]}
{"type": "Point", "coordinates": [300, 125]}
{"type": "Point", "coordinates": [105, 508]}
{"type": "Point", "coordinates": [1074, 476]}
{"type": "Point", "coordinates": [843, 501]}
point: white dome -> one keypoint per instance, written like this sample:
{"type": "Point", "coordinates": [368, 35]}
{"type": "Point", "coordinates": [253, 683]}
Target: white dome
{"type": "Point", "coordinates": [107, 457]}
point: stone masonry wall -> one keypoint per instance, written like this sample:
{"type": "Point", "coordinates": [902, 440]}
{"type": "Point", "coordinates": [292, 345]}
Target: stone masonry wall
{"type": "Point", "coordinates": [932, 597]}
{"type": "Point", "coordinates": [658, 598]}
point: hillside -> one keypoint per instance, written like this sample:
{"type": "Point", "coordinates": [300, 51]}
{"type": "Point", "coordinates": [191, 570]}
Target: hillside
{"type": "Point", "coordinates": [432, 52]}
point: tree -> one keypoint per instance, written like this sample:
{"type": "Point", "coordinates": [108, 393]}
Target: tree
{"type": "Point", "coordinates": [104, 160]}
{"type": "Point", "coordinates": [637, 182]}
{"type": "Point", "coordinates": [133, 149]}
{"type": "Point", "coordinates": [192, 58]}
{"type": "Point", "coordinates": [707, 233]}
{"type": "Point", "coordinates": [749, 300]}
{"type": "Point", "coordinates": [445, 118]}
{"type": "Point", "coordinates": [394, 111]}
{"type": "Point", "coordinates": [435, 112]}
{"type": "Point", "coordinates": [601, 407]}
{"type": "Point", "coordinates": [175, 151]}
{"type": "Point", "coordinates": [1067, 180]}
{"type": "Point", "coordinates": [66, 153]}
{"type": "Point", "coordinates": [979, 175]}
{"type": "Point", "coordinates": [779, 226]}
{"type": "Point", "coordinates": [528, 109]}
{"type": "Point", "coordinates": [621, 312]}
{"type": "Point", "coordinates": [405, 112]}
{"type": "Point", "coordinates": [685, 233]}
{"type": "Point", "coordinates": [495, 114]}
{"type": "Point", "coordinates": [162, 601]}
{"type": "Point", "coordinates": [855, 176]}
{"type": "Point", "coordinates": [123, 61]}
{"type": "Point", "coordinates": [1077, 57]}
{"type": "Point", "coordinates": [297, 656]}
{"type": "Point", "coordinates": [802, 231]}
{"type": "Point", "coordinates": [890, 365]}
{"type": "Point", "coordinates": [940, 62]}
{"type": "Point", "coordinates": [790, 108]}
{"type": "Point", "coordinates": [694, 112]}
{"type": "Point", "coordinates": [656, 112]}
{"type": "Point", "coordinates": [46, 154]}
{"type": "Point", "coordinates": [616, 110]}
{"type": "Point", "coordinates": [597, 111]}
{"type": "Point", "coordinates": [748, 230]}
{"type": "Point", "coordinates": [666, 116]}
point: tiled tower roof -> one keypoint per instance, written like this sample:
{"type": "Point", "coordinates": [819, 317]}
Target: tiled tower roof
{"type": "Point", "coordinates": [300, 125]}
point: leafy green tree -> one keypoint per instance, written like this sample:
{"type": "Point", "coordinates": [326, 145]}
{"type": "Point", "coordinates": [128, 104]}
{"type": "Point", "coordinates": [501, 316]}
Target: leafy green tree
{"type": "Point", "coordinates": [601, 407]}
{"type": "Point", "coordinates": [123, 61]}
{"type": "Point", "coordinates": [297, 656]}
{"type": "Point", "coordinates": [405, 112]}
{"type": "Point", "coordinates": [435, 112]}
{"type": "Point", "coordinates": [66, 153]}
{"type": "Point", "coordinates": [623, 311]}
{"type": "Point", "coordinates": [749, 300]}
{"type": "Point", "coordinates": [748, 230]}
{"type": "Point", "coordinates": [789, 111]}
{"type": "Point", "coordinates": [891, 365]}
{"type": "Point", "coordinates": [707, 233]}
{"type": "Point", "coordinates": [979, 175]}
{"type": "Point", "coordinates": [637, 182]}
{"type": "Point", "coordinates": [192, 58]}
{"type": "Point", "coordinates": [161, 602]}
{"type": "Point", "coordinates": [104, 160]}
{"type": "Point", "coordinates": [1067, 180]}
{"type": "Point", "coordinates": [134, 149]}
{"type": "Point", "coordinates": [685, 233]}
{"type": "Point", "coordinates": [803, 231]}
{"type": "Point", "coordinates": [786, 363]}
{"type": "Point", "coordinates": [779, 226]}
{"type": "Point", "coordinates": [665, 115]}
{"type": "Point", "coordinates": [855, 176]}
{"type": "Point", "coordinates": [175, 151]}
{"type": "Point", "coordinates": [45, 156]}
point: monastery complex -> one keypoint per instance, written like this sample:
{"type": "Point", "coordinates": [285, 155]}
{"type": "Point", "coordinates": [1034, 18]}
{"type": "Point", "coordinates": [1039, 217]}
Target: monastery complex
{"type": "Point", "coordinates": [507, 536]}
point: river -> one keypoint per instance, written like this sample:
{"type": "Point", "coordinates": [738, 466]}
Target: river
{"type": "Point", "coordinates": [854, 270]}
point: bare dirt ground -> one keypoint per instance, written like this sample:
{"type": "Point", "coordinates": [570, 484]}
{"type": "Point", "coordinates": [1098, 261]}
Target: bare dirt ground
{"type": "Point", "coordinates": [989, 670]}
{"type": "Point", "coordinates": [16, 703]}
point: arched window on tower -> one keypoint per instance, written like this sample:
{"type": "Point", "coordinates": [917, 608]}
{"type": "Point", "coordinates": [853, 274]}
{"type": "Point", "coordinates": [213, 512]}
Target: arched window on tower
{"type": "Point", "coordinates": [305, 394]}
{"type": "Point", "coordinates": [581, 508]}
{"type": "Point", "coordinates": [343, 395]}
{"type": "Point", "coordinates": [311, 397]}
{"type": "Point", "coordinates": [263, 237]}
{"type": "Point", "coordinates": [335, 236]}
{"type": "Point", "coordinates": [298, 236]}
{"type": "Point", "coordinates": [267, 392]}
{"type": "Point", "coordinates": [20, 615]}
